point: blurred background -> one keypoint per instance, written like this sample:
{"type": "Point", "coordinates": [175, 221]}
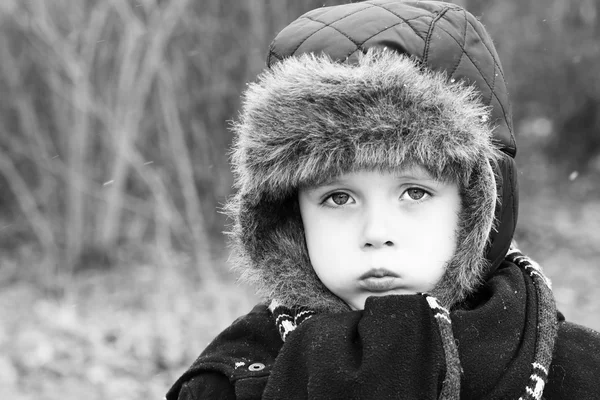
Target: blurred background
{"type": "Point", "coordinates": [113, 166]}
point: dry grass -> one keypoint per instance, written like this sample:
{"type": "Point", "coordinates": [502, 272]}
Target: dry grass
{"type": "Point", "coordinates": [125, 334]}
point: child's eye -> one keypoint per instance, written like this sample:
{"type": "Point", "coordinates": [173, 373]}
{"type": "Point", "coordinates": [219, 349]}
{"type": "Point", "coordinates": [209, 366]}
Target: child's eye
{"type": "Point", "coordinates": [339, 199]}
{"type": "Point", "coordinates": [415, 194]}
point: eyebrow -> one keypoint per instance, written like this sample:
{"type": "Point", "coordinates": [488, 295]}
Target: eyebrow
{"type": "Point", "coordinates": [425, 177]}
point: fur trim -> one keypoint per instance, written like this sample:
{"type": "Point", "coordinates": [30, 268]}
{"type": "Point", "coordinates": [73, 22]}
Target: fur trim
{"type": "Point", "coordinates": [310, 118]}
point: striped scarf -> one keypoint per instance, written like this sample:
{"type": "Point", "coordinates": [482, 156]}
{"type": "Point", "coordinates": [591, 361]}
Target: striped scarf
{"type": "Point", "coordinates": [288, 319]}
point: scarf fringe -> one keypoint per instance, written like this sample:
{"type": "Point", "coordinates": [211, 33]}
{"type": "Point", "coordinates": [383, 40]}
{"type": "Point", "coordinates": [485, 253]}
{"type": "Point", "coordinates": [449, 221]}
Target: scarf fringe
{"type": "Point", "coordinates": [288, 319]}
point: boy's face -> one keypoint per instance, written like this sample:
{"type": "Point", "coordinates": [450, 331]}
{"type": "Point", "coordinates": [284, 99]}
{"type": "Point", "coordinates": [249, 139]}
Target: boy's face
{"type": "Point", "coordinates": [373, 233]}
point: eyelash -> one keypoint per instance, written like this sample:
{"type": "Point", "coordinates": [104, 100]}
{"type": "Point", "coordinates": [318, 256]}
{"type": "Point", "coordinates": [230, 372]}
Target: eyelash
{"type": "Point", "coordinates": [326, 201]}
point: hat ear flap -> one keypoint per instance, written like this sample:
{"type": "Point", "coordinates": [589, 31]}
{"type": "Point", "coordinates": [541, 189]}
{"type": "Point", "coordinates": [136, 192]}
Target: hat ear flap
{"type": "Point", "coordinates": [270, 253]}
{"type": "Point", "coordinates": [466, 270]}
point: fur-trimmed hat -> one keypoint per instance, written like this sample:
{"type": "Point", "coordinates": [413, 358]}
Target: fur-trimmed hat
{"type": "Point", "coordinates": [385, 104]}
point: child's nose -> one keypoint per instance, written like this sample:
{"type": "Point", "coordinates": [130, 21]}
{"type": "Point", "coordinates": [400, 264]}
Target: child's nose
{"type": "Point", "coordinates": [377, 229]}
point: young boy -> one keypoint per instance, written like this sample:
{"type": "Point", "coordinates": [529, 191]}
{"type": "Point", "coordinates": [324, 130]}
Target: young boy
{"type": "Point", "coordinates": [375, 207]}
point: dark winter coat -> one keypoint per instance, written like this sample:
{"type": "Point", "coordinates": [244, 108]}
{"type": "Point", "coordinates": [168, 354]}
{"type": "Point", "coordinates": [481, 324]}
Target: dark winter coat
{"type": "Point", "coordinates": [332, 101]}
{"type": "Point", "coordinates": [390, 350]}
{"type": "Point", "coordinates": [367, 351]}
